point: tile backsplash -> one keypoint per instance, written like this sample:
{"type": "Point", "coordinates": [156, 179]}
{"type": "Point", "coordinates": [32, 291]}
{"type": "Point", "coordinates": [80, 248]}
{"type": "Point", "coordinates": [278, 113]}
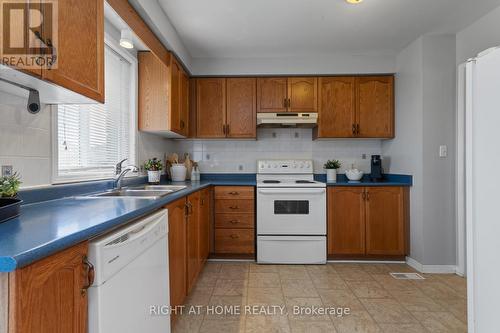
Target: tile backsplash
{"type": "Point", "coordinates": [240, 156]}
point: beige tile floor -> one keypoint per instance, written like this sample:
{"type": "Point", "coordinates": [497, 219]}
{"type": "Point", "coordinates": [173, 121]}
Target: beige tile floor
{"type": "Point", "coordinates": [377, 302]}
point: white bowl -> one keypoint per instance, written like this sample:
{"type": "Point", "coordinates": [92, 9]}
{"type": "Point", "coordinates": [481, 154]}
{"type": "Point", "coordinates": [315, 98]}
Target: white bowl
{"type": "Point", "coordinates": [354, 174]}
{"type": "Point", "coordinates": [178, 172]}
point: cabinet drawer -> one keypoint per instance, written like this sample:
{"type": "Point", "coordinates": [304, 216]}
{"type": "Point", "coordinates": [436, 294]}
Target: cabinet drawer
{"type": "Point", "coordinates": [234, 192]}
{"type": "Point", "coordinates": [234, 206]}
{"type": "Point", "coordinates": [238, 241]}
{"type": "Point", "coordinates": [236, 221]}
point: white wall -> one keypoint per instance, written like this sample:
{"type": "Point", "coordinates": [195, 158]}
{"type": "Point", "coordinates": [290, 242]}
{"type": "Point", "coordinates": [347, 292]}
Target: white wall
{"type": "Point", "coordinates": [321, 64]}
{"type": "Point", "coordinates": [481, 35]}
{"type": "Point", "coordinates": [406, 150]}
{"type": "Point", "coordinates": [425, 113]}
{"type": "Point", "coordinates": [236, 156]}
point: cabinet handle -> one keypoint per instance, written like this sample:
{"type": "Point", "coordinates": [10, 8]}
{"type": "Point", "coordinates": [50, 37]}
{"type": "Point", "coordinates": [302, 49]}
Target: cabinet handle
{"type": "Point", "coordinates": [233, 207]}
{"type": "Point", "coordinates": [234, 193]}
{"type": "Point", "coordinates": [357, 129]}
{"type": "Point", "coordinates": [227, 129]}
{"type": "Point", "coordinates": [224, 129]}
{"type": "Point", "coordinates": [234, 221]}
{"type": "Point", "coordinates": [233, 236]}
{"type": "Point", "coordinates": [284, 102]}
{"type": "Point", "coordinates": [367, 196]}
{"type": "Point", "coordinates": [90, 274]}
{"type": "Point", "coordinates": [354, 129]}
{"type": "Point", "coordinates": [182, 124]}
{"type": "Point", "coordinates": [289, 103]}
{"type": "Point", "coordinates": [363, 195]}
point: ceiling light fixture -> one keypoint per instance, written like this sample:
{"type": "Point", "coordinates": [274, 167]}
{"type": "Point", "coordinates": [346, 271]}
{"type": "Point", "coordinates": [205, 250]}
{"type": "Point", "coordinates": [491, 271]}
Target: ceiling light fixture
{"type": "Point", "coordinates": [126, 39]}
{"type": "Point", "coordinates": [354, 2]}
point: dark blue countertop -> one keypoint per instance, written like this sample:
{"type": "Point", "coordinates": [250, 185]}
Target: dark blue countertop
{"type": "Point", "coordinates": [388, 180]}
{"type": "Point", "coordinates": [57, 217]}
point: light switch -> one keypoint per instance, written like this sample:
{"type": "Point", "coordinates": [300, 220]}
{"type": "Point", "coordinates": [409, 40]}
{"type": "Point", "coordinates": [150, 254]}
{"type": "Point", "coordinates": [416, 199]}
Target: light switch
{"type": "Point", "coordinates": [443, 151]}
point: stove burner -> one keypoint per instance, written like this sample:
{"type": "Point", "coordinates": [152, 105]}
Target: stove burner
{"type": "Point", "coordinates": [304, 182]}
{"type": "Point", "coordinates": [271, 181]}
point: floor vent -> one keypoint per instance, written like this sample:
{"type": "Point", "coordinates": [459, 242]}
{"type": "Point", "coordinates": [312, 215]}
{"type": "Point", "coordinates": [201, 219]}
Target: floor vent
{"type": "Point", "coordinates": [407, 276]}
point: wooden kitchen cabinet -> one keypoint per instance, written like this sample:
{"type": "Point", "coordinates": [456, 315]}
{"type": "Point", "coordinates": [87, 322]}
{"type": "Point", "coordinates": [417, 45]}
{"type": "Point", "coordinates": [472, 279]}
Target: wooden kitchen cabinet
{"type": "Point", "coordinates": [368, 222]}
{"type": "Point", "coordinates": [50, 295]}
{"type": "Point", "coordinates": [346, 220]}
{"type": "Point", "coordinates": [375, 106]}
{"type": "Point", "coordinates": [293, 94]}
{"type": "Point", "coordinates": [193, 239]}
{"type": "Point", "coordinates": [163, 96]}
{"type": "Point", "coordinates": [385, 221]}
{"type": "Point", "coordinates": [356, 107]}
{"type": "Point", "coordinates": [302, 94]}
{"type": "Point", "coordinates": [241, 118]}
{"type": "Point", "coordinates": [177, 250]}
{"type": "Point", "coordinates": [234, 221]}
{"type": "Point", "coordinates": [337, 108]}
{"type": "Point", "coordinates": [211, 108]}
{"type": "Point", "coordinates": [80, 48]}
{"type": "Point", "coordinates": [272, 94]}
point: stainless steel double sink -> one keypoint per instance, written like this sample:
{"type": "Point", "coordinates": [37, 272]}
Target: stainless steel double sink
{"type": "Point", "coordinates": [140, 192]}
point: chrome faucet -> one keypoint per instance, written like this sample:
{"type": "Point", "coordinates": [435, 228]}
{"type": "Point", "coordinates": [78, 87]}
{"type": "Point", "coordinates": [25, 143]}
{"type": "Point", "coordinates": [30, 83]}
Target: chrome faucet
{"type": "Point", "coordinates": [120, 172]}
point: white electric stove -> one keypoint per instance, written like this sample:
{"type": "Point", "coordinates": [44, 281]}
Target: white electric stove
{"type": "Point", "coordinates": [291, 213]}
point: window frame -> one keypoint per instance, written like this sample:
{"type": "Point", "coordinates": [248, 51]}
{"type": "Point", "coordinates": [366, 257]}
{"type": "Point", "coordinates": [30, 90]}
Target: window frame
{"type": "Point", "coordinates": [56, 178]}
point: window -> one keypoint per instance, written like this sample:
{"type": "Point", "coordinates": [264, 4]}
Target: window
{"type": "Point", "coordinates": [92, 138]}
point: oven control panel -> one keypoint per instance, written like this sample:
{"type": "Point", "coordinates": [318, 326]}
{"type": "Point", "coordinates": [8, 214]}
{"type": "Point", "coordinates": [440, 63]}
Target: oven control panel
{"type": "Point", "coordinates": [285, 166]}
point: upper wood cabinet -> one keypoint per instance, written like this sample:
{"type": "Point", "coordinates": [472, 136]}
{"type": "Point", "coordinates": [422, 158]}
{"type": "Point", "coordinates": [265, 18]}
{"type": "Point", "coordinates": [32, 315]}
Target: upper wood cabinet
{"type": "Point", "coordinates": [302, 94]}
{"type": "Point", "coordinates": [375, 106]}
{"type": "Point", "coordinates": [241, 115]}
{"type": "Point", "coordinates": [225, 108]}
{"type": "Point", "coordinates": [163, 96]}
{"type": "Point", "coordinates": [337, 105]}
{"type": "Point", "coordinates": [50, 295]}
{"type": "Point", "coordinates": [356, 107]}
{"type": "Point", "coordinates": [272, 94]}
{"type": "Point", "coordinates": [211, 108]}
{"type": "Point", "coordinates": [294, 94]}
{"type": "Point", "coordinates": [368, 221]}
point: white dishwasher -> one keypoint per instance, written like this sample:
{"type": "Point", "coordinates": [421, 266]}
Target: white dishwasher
{"type": "Point", "coordinates": [131, 277]}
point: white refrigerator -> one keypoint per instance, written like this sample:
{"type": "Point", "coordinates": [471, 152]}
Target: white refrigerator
{"type": "Point", "coordinates": [482, 189]}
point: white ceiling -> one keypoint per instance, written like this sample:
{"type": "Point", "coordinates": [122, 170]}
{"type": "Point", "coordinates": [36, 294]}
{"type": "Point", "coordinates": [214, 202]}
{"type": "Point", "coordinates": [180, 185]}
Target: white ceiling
{"type": "Point", "coordinates": [273, 28]}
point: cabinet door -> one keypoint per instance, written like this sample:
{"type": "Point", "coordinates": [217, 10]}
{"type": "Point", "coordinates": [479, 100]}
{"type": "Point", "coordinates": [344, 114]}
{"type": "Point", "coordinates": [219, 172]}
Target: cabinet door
{"type": "Point", "coordinates": [271, 94]}
{"type": "Point", "coordinates": [303, 94]}
{"type": "Point", "coordinates": [80, 49]}
{"type": "Point", "coordinates": [184, 104]}
{"type": "Point", "coordinates": [193, 241]}
{"type": "Point", "coordinates": [346, 221]}
{"type": "Point", "coordinates": [153, 93]}
{"type": "Point", "coordinates": [337, 116]}
{"type": "Point", "coordinates": [204, 231]}
{"type": "Point", "coordinates": [47, 296]}
{"type": "Point", "coordinates": [210, 108]}
{"type": "Point", "coordinates": [385, 217]}
{"type": "Point", "coordinates": [241, 108]}
{"type": "Point", "coordinates": [177, 242]}
{"type": "Point", "coordinates": [375, 106]}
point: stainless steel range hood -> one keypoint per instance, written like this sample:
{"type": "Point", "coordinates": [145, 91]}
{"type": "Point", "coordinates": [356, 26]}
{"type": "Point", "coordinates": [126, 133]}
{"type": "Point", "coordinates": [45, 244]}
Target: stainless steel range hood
{"type": "Point", "coordinates": [287, 119]}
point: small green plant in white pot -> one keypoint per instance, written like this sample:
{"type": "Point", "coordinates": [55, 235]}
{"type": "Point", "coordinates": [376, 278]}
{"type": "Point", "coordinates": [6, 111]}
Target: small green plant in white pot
{"type": "Point", "coordinates": [153, 167]}
{"type": "Point", "coordinates": [331, 167]}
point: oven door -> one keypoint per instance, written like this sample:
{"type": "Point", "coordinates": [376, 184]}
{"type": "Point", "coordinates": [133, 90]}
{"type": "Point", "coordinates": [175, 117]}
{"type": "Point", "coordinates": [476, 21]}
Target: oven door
{"type": "Point", "coordinates": [291, 211]}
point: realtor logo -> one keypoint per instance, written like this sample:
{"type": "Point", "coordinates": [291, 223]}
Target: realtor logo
{"type": "Point", "coordinates": [28, 35]}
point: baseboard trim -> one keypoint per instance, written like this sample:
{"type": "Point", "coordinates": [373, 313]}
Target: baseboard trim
{"type": "Point", "coordinates": [431, 269]}
{"type": "Point", "coordinates": [366, 261]}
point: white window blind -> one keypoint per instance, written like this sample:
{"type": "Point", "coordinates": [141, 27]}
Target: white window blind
{"type": "Point", "coordinates": [92, 138]}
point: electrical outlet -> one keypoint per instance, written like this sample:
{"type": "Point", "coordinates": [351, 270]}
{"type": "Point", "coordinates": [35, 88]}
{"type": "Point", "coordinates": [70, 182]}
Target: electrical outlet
{"type": "Point", "coordinates": [297, 135]}
{"type": "Point", "coordinates": [443, 151]}
{"type": "Point", "coordinates": [7, 170]}
{"type": "Point", "coordinates": [207, 157]}
{"type": "Point", "coordinates": [363, 156]}
{"type": "Point", "coordinates": [274, 135]}
{"type": "Point", "coordinates": [240, 167]}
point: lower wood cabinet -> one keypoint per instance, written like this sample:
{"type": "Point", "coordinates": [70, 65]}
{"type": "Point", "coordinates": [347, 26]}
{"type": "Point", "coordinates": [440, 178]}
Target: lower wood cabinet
{"type": "Point", "coordinates": [188, 236]}
{"type": "Point", "coordinates": [50, 295]}
{"type": "Point", "coordinates": [368, 222]}
{"type": "Point", "coordinates": [234, 220]}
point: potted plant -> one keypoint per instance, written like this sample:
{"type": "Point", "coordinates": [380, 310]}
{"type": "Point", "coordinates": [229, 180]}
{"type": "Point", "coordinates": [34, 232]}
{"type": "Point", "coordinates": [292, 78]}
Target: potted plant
{"type": "Point", "coordinates": [331, 167]}
{"type": "Point", "coordinates": [9, 203]}
{"type": "Point", "coordinates": [153, 167]}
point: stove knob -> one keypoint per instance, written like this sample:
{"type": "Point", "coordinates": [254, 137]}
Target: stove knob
{"type": "Point", "coordinates": [275, 165]}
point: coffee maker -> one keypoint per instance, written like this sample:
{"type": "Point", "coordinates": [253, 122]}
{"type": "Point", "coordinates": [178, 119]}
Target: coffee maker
{"type": "Point", "coordinates": [376, 174]}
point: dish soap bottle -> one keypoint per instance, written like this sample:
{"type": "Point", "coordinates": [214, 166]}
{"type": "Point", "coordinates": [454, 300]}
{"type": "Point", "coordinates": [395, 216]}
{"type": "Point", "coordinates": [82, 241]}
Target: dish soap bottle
{"type": "Point", "coordinates": [195, 173]}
